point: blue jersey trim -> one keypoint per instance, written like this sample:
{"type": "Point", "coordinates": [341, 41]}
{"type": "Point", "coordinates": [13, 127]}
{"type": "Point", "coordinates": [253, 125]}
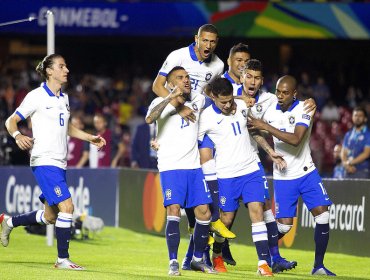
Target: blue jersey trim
{"type": "Point", "coordinates": [163, 74]}
{"type": "Point", "coordinates": [20, 115]}
{"type": "Point", "coordinates": [50, 92]}
{"type": "Point", "coordinates": [239, 92]}
{"type": "Point", "coordinates": [194, 57]}
{"type": "Point", "coordinates": [301, 124]}
{"type": "Point", "coordinates": [227, 76]}
{"type": "Point", "coordinates": [216, 109]}
{"type": "Point", "coordinates": [295, 103]}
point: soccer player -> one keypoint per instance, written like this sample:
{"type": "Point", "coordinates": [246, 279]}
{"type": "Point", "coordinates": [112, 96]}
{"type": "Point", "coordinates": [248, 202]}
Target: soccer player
{"type": "Point", "coordinates": [48, 109]}
{"type": "Point", "coordinates": [203, 66]}
{"type": "Point", "coordinates": [182, 179]}
{"type": "Point", "coordinates": [238, 173]}
{"type": "Point", "coordinates": [291, 127]}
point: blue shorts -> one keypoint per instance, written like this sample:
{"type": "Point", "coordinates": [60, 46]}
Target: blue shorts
{"type": "Point", "coordinates": [186, 187]}
{"type": "Point", "coordinates": [287, 192]}
{"type": "Point", "coordinates": [267, 194]}
{"type": "Point", "coordinates": [206, 143]}
{"type": "Point", "coordinates": [53, 184]}
{"type": "Point", "coordinates": [250, 188]}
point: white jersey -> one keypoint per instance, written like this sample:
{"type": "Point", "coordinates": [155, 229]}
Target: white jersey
{"type": "Point", "coordinates": [49, 117]}
{"type": "Point", "coordinates": [201, 73]}
{"type": "Point", "coordinates": [237, 88]}
{"type": "Point", "coordinates": [178, 145]}
{"type": "Point", "coordinates": [263, 101]}
{"type": "Point", "coordinates": [235, 156]}
{"type": "Point", "coordinates": [298, 158]}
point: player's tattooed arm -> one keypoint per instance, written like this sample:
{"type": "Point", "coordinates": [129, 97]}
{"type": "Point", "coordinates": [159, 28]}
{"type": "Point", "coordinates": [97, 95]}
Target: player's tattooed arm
{"type": "Point", "coordinates": [157, 110]}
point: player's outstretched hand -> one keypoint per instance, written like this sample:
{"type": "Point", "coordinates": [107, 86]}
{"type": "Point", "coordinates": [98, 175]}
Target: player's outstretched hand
{"type": "Point", "coordinates": [279, 161]}
{"type": "Point", "coordinates": [24, 142]}
{"type": "Point", "coordinates": [98, 141]}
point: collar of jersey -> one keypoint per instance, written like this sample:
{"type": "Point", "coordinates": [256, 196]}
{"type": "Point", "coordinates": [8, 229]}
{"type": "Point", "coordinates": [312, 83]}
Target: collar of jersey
{"type": "Point", "coordinates": [295, 103]}
{"type": "Point", "coordinates": [194, 57]}
{"type": "Point", "coordinates": [217, 110]}
{"type": "Point", "coordinates": [49, 91]}
{"type": "Point", "coordinates": [227, 76]}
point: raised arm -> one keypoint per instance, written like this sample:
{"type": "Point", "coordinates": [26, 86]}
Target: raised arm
{"type": "Point", "coordinates": [261, 141]}
{"type": "Point", "coordinates": [159, 86]}
{"type": "Point", "coordinates": [294, 138]}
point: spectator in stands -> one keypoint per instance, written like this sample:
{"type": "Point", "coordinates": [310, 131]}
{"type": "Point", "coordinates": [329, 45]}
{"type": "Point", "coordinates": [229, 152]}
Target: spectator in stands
{"type": "Point", "coordinates": [321, 92]}
{"type": "Point", "coordinates": [338, 171]}
{"type": "Point", "coordinates": [78, 150]}
{"type": "Point", "coordinates": [356, 146]}
{"type": "Point", "coordinates": [102, 157]}
{"type": "Point", "coordinates": [330, 112]}
{"type": "Point", "coordinates": [141, 154]}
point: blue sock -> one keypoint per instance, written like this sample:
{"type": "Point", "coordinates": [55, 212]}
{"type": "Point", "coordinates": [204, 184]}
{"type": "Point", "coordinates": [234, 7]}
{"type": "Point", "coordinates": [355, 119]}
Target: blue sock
{"type": "Point", "coordinates": [30, 218]}
{"type": "Point", "coordinates": [63, 233]}
{"type": "Point", "coordinates": [273, 234]}
{"type": "Point", "coordinates": [259, 236]}
{"type": "Point", "coordinates": [189, 252]}
{"type": "Point", "coordinates": [191, 217]}
{"type": "Point", "coordinates": [173, 236]}
{"type": "Point", "coordinates": [201, 233]}
{"type": "Point", "coordinates": [215, 210]}
{"type": "Point", "coordinates": [321, 242]}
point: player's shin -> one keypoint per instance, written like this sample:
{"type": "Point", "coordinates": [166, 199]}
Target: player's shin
{"type": "Point", "coordinates": [173, 236]}
{"type": "Point", "coordinates": [321, 237]}
{"type": "Point", "coordinates": [63, 234]}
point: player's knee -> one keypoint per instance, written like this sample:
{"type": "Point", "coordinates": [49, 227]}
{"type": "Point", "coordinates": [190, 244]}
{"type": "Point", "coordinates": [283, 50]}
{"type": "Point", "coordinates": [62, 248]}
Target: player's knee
{"type": "Point", "coordinates": [283, 229]}
{"type": "Point", "coordinates": [323, 218]}
{"type": "Point", "coordinates": [49, 218]}
{"type": "Point", "coordinates": [173, 210]}
{"type": "Point", "coordinates": [202, 212]}
{"type": "Point", "coordinates": [268, 216]}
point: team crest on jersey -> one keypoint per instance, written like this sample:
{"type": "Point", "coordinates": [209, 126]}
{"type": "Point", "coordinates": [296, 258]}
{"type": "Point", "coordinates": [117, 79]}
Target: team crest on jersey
{"type": "Point", "coordinates": [208, 76]}
{"type": "Point", "coordinates": [195, 107]}
{"type": "Point", "coordinates": [291, 119]}
{"type": "Point", "coordinates": [244, 113]}
{"type": "Point", "coordinates": [58, 191]}
{"type": "Point", "coordinates": [67, 106]}
{"type": "Point", "coordinates": [223, 200]}
{"type": "Point", "coordinates": [259, 108]}
{"type": "Point", "coordinates": [168, 194]}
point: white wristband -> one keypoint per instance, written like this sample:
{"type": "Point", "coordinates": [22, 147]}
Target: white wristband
{"type": "Point", "coordinates": [15, 134]}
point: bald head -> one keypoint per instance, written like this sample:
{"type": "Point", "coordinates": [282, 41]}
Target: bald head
{"type": "Point", "coordinates": [289, 80]}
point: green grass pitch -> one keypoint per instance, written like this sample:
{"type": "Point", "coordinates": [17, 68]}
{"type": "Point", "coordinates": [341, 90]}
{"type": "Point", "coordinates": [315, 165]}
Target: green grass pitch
{"type": "Point", "coordinates": [117, 253]}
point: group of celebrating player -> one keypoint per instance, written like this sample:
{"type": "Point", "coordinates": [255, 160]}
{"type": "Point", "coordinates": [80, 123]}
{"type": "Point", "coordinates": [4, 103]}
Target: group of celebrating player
{"type": "Point", "coordinates": [208, 160]}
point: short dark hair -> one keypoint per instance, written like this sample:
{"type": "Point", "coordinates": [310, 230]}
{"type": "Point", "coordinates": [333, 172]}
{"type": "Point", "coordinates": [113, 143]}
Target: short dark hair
{"type": "Point", "coordinates": [239, 48]}
{"type": "Point", "coordinates": [173, 70]}
{"type": "Point", "coordinates": [47, 62]}
{"type": "Point", "coordinates": [221, 87]}
{"type": "Point", "coordinates": [208, 28]}
{"type": "Point", "coordinates": [360, 109]}
{"type": "Point", "coordinates": [254, 64]}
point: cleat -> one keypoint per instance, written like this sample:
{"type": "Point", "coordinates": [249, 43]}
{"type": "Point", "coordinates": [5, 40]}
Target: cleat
{"type": "Point", "coordinates": [322, 270]}
{"type": "Point", "coordinates": [218, 264]}
{"type": "Point", "coordinates": [68, 264]}
{"type": "Point", "coordinates": [174, 269]}
{"type": "Point", "coordinates": [5, 230]}
{"type": "Point", "coordinates": [206, 257]}
{"type": "Point", "coordinates": [226, 254]}
{"type": "Point", "coordinates": [282, 264]}
{"type": "Point", "coordinates": [202, 266]}
{"type": "Point", "coordinates": [211, 240]}
{"type": "Point", "coordinates": [219, 228]}
{"type": "Point", "coordinates": [264, 269]}
{"type": "Point", "coordinates": [186, 263]}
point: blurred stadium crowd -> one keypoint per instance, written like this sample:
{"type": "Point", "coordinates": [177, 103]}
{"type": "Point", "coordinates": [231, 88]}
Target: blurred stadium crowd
{"type": "Point", "coordinates": [122, 100]}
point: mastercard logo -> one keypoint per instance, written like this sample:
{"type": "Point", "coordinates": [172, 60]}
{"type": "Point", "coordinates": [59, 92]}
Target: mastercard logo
{"type": "Point", "coordinates": [153, 211]}
{"type": "Point", "coordinates": [288, 238]}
